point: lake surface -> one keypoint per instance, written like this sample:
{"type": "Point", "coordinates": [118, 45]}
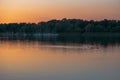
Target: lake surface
{"type": "Point", "coordinates": [36, 60]}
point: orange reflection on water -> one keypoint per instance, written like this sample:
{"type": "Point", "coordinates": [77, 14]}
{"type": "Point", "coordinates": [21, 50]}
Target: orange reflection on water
{"type": "Point", "coordinates": [44, 59]}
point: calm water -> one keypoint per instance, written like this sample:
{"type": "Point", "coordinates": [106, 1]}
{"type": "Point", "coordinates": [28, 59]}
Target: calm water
{"type": "Point", "coordinates": [35, 60]}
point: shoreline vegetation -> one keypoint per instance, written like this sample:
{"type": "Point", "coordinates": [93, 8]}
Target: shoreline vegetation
{"type": "Point", "coordinates": [64, 27]}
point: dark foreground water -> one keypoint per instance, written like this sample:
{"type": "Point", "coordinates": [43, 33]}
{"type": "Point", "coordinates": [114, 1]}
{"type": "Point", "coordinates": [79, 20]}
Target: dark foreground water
{"type": "Point", "coordinates": [59, 60]}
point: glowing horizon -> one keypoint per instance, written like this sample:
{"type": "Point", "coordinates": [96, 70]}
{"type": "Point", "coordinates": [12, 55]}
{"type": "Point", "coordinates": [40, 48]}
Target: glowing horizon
{"type": "Point", "coordinates": [43, 10]}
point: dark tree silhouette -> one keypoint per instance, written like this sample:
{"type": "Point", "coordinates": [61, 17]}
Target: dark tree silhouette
{"type": "Point", "coordinates": [64, 26]}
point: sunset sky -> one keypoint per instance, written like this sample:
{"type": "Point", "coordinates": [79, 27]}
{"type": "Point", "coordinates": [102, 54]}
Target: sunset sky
{"type": "Point", "coordinates": [42, 10]}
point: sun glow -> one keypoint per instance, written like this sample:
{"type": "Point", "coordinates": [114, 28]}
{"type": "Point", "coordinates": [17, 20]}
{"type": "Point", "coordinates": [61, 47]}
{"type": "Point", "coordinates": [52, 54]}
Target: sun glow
{"type": "Point", "coordinates": [42, 10]}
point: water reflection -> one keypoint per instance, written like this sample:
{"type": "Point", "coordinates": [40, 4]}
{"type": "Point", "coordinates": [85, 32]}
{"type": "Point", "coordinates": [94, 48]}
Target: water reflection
{"type": "Point", "coordinates": [102, 40]}
{"type": "Point", "coordinates": [37, 60]}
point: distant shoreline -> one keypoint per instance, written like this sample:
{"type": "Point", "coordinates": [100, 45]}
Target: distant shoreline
{"type": "Point", "coordinates": [72, 28]}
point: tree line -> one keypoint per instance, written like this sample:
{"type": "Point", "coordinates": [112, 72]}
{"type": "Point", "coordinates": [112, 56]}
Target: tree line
{"type": "Point", "coordinates": [77, 26]}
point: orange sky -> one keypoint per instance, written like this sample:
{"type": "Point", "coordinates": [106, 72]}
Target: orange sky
{"type": "Point", "coordinates": [42, 10]}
